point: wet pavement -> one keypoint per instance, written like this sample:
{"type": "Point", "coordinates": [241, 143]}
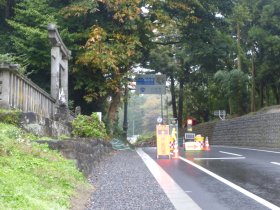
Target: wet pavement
{"type": "Point", "coordinates": [249, 179]}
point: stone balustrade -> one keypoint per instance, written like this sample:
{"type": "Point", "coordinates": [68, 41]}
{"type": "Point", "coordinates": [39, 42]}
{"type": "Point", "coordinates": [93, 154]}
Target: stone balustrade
{"type": "Point", "coordinates": [17, 91]}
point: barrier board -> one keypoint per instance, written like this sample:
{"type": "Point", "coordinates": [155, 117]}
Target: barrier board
{"type": "Point", "coordinates": [163, 141]}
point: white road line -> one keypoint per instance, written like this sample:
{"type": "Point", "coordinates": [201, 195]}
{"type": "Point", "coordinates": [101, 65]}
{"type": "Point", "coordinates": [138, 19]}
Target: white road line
{"type": "Point", "coordinates": [234, 186]}
{"type": "Point", "coordinates": [221, 158]}
{"type": "Point", "coordinates": [174, 192]}
{"type": "Point", "coordinates": [275, 163]}
{"type": "Point", "coordinates": [259, 150]}
{"type": "Point", "coordinates": [229, 153]}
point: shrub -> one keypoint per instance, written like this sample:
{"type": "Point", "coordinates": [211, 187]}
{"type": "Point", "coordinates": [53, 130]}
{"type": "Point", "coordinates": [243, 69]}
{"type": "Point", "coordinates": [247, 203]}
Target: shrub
{"type": "Point", "coordinates": [147, 139]}
{"type": "Point", "coordinates": [10, 116]}
{"type": "Point", "coordinates": [88, 126]}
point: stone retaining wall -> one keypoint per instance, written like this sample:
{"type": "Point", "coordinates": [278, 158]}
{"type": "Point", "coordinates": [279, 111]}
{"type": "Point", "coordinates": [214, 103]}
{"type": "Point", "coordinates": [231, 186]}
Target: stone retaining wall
{"type": "Point", "coordinates": [86, 152]}
{"type": "Point", "coordinates": [43, 126]}
{"type": "Point", "coordinates": [259, 130]}
{"type": "Point", "coordinates": [205, 129]}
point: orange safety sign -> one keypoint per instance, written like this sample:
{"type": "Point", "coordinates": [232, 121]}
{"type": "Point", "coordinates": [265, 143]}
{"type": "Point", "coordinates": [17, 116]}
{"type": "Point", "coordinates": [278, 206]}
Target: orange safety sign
{"type": "Point", "coordinates": [163, 141]}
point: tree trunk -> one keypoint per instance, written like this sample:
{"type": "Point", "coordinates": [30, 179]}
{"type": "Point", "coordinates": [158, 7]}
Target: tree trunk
{"type": "Point", "coordinates": [173, 97]}
{"type": "Point", "coordinates": [180, 104]}
{"type": "Point", "coordinates": [230, 106]}
{"type": "Point", "coordinates": [267, 96]}
{"type": "Point", "coordinates": [261, 95]}
{"type": "Point", "coordinates": [113, 111]}
{"type": "Point", "coordinates": [8, 8]}
{"type": "Point", "coordinates": [238, 47]}
{"type": "Point", "coordinates": [253, 94]}
{"type": "Point", "coordinates": [276, 93]}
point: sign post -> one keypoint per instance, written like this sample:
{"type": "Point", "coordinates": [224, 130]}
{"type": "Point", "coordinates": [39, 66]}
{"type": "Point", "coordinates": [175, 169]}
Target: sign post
{"type": "Point", "coordinates": [151, 84]}
{"type": "Point", "coordinates": [221, 114]}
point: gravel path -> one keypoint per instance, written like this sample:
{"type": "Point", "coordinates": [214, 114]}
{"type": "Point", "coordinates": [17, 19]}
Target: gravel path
{"type": "Point", "coordinates": [123, 181]}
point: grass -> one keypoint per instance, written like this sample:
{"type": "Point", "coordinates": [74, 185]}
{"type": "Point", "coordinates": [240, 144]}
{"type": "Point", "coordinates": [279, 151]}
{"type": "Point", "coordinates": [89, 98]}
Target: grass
{"type": "Point", "coordinates": [32, 176]}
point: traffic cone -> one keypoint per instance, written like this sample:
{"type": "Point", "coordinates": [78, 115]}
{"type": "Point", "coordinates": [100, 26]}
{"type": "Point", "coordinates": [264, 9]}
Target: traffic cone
{"type": "Point", "coordinates": [202, 145]}
{"type": "Point", "coordinates": [206, 145]}
{"type": "Point", "coordinates": [176, 151]}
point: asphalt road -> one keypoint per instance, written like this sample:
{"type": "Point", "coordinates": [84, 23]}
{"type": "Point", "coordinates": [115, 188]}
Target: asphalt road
{"type": "Point", "coordinates": [226, 177]}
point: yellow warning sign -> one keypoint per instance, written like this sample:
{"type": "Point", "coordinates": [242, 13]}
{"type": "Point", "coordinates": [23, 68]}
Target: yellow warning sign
{"type": "Point", "coordinates": [163, 140]}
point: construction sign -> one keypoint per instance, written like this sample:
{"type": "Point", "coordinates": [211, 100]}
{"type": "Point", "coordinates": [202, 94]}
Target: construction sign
{"type": "Point", "coordinates": [163, 141]}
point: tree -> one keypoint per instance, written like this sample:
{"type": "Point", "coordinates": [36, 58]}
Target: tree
{"type": "Point", "coordinates": [111, 48]}
{"type": "Point", "coordinates": [233, 84]}
{"type": "Point", "coordinates": [30, 38]}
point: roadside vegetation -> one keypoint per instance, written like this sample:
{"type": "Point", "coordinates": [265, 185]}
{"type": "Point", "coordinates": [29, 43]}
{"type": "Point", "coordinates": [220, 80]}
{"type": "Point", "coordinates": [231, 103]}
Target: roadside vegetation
{"type": "Point", "coordinates": [148, 139]}
{"type": "Point", "coordinates": [89, 126]}
{"type": "Point", "coordinates": [32, 176]}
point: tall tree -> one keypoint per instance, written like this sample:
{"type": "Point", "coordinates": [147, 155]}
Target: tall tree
{"type": "Point", "coordinates": [30, 38]}
{"type": "Point", "coordinates": [112, 47]}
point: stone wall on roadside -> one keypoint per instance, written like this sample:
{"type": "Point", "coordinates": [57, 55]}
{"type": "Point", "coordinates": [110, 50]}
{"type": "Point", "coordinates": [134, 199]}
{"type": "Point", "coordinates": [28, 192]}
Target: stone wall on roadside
{"type": "Point", "coordinates": [43, 126]}
{"type": "Point", "coordinates": [205, 129]}
{"type": "Point", "coordinates": [257, 130]}
{"type": "Point", "coordinates": [86, 152]}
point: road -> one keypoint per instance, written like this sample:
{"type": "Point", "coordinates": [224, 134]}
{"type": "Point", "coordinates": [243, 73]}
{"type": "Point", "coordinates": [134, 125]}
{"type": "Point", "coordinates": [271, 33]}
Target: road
{"type": "Point", "coordinates": [226, 177]}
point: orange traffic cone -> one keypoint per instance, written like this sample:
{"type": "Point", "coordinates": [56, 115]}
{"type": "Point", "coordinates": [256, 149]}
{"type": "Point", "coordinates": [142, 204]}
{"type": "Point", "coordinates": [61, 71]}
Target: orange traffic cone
{"type": "Point", "coordinates": [206, 145]}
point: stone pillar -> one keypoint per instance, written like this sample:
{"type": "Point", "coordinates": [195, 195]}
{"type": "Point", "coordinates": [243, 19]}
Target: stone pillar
{"type": "Point", "coordinates": [5, 92]}
{"type": "Point", "coordinates": [55, 66]}
{"type": "Point", "coordinates": [59, 72]}
{"type": "Point", "coordinates": [64, 79]}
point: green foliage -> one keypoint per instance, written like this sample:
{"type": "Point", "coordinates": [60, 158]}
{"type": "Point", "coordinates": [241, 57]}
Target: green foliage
{"type": "Point", "coordinates": [233, 84]}
{"type": "Point", "coordinates": [30, 38]}
{"type": "Point", "coordinates": [88, 126]}
{"type": "Point", "coordinates": [146, 139]}
{"type": "Point", "coordinates": [32, 176]}
{"type": "Point", "coordinates": [10, 116]}
{"type": "Point", "coordinates": [12, 59]}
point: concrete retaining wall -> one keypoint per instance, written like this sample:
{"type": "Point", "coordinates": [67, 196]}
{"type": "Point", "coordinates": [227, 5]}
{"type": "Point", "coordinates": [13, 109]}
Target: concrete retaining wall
{"type": "Point", "coordinates": [86, 152]}
{"type": "Point", "coordinates": [260, 130]}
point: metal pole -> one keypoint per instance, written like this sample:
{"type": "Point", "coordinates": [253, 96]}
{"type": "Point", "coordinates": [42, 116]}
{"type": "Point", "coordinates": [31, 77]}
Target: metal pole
{"type": "Point", "coordinates": [125, 124]}
{"type": "Point", "coordinates": [161, 105]}
{"type": "Point", "coordinates": [133, 128]}
{"type": "Point", "coordinates": [167, 113]}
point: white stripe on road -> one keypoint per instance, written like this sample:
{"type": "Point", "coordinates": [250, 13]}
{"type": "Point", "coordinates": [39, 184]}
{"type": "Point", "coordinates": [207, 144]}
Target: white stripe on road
{"type": "Point", "coordinates": [221, 158]}
{"type": "Point", "coordinates": [259, 150]}
{"type": "Point", "coordinates": [229, 153]}
{"type": "Point", "coordinates": [275, 163]}
{"type": "Point", "coordinates": [234, 186]}
{"type": "Point", "coordinates": [174, 192]}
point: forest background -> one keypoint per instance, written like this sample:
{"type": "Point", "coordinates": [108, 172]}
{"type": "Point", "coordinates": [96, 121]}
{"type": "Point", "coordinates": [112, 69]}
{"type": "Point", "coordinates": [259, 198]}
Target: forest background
{"type": "Point", "coordinates": [217, 54]}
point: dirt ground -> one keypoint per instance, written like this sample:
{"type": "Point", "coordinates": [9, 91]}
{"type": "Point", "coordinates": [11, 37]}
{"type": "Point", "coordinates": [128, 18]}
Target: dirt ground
{"type": "Point", "coordinates": [81, 197]}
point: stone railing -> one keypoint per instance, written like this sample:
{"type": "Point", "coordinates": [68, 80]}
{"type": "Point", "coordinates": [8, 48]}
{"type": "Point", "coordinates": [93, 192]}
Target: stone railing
{"type": "Point", "coordinates": [17, 91]}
